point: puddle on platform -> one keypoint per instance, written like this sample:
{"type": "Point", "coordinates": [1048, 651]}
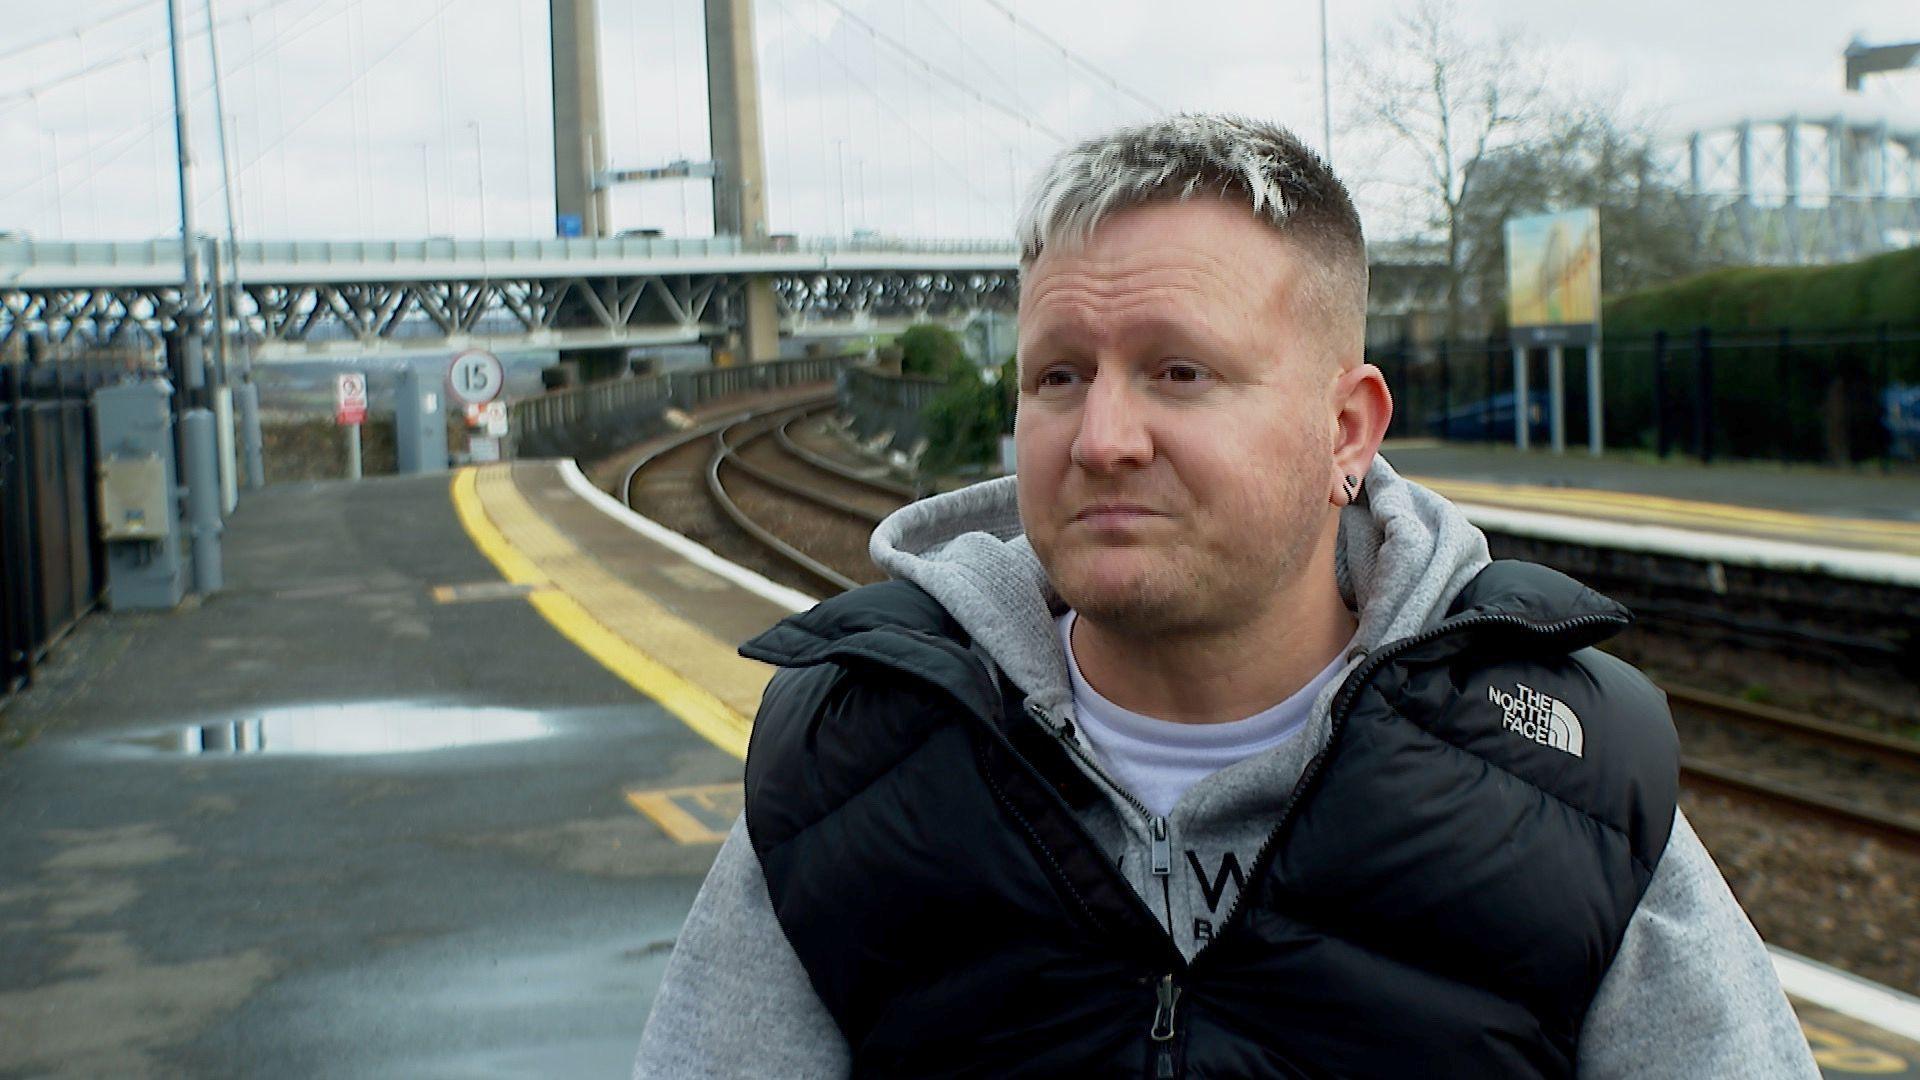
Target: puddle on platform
{"type": "Point", "coordinates": [365, 728]}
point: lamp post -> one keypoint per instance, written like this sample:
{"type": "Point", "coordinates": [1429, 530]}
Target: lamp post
{"type": "Point", "coordinates": [426, 194]}
{"type": "Point", "coordinates": [840, 171]}
{"type": "Point", "coordinates": [480, 178]}
{"type": "Point", "coordinates": [1326, 96]}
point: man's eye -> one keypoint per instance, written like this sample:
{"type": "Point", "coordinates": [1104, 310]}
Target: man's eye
{"type": "Point", "coordinates": [1057, 377]}
{"type": "Point", "coordinates": [1183, 373]}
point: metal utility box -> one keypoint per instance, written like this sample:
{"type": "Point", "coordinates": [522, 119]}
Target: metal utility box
{"type": "Point", "coordinates": [139, 495]}
{"type": "Point", "coordinates": [419, 424]}
{"type": "Point", "coordinates": [133, 498]}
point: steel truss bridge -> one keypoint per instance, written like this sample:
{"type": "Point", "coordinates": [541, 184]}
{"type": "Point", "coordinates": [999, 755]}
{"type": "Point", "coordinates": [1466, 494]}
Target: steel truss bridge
{"type": "Point", "coordinates": [318, 300]}
{"type": "Point", "coordinates": [298, 300]}
{"type": "Point", "coordinates": [1834, 181]}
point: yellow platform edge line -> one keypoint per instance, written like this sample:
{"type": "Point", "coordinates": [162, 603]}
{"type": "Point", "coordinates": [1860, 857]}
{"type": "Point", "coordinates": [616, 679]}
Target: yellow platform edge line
{"type": "Point", "coordinates": [1666, 509]}
{"type": "Point", "coordinates": [707, 715]}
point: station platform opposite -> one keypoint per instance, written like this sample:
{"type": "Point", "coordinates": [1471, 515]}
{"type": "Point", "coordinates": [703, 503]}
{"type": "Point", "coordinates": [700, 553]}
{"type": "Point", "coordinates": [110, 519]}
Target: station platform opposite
{"type": "Point", "coordinates": [1856, 509]}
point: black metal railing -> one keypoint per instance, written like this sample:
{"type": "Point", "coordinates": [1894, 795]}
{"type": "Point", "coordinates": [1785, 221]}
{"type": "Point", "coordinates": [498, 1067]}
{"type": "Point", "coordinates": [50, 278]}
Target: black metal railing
{"type": "Point", "coordinates": [584, 420]}
{"type": "Point", "coordinates": [1839, 396]}
{"type": "Point", "coordinates": [52, 562]}
{"type": "Point", "coordinates": [895, 404]}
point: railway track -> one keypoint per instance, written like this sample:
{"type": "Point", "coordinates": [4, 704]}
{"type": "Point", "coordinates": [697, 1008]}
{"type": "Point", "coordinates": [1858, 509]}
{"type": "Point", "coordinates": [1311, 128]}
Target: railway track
{"type": "Point", "coordinates": [1862, 781]}
{"type": "Point", "coordinates": [811, 514]}
{"type": "Point", "coordinates": [759, 491]}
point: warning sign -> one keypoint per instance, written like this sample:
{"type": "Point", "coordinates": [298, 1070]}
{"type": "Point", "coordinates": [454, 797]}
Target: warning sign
{"type": "Point", "coordinates": [350, 399]}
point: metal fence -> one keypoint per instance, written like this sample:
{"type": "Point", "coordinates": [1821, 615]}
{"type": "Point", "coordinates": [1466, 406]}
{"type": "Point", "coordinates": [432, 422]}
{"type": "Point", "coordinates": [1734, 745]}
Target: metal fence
{"type": "Point", "coordinates": [888, 403]}
{"type": "Point", "coordinates": [584, 420]}
{"type": "Point", "coordinates": [52, 563]}
{"type": "Point", "coordinates": [1840, 396]}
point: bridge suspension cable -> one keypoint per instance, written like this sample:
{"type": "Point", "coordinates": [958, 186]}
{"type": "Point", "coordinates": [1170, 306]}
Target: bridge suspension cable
{"type": "Point", "coordinates": [1072, 57]}
{"type": "Point", "coordinates": [130, 137]}
{"type": "Point", "coordinates": [395, 47]}
{"type": "Point", "coordinates": [93, 26]}
{"type": "Point", "coordinates": [929, 68]}
{"type": "Point", "coordinates": [131, 54]}
{"type": "Point", "coordinates": [1013, 84]}
{"type": "Point", "coordinates": [888, 106]}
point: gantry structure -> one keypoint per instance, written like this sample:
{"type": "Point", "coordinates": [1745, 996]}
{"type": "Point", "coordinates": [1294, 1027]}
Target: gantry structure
{"type": "Point", "coordinates": [1816, 180]}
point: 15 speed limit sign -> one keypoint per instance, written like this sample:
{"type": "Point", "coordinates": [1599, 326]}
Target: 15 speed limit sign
{"type": "Point", "coordinates": [475, 377]}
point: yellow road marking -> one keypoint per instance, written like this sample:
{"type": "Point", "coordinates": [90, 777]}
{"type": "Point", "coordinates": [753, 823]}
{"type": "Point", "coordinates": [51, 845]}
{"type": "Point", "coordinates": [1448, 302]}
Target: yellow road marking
{"type": "Point", "coordinates": [628, 633]}
{"type": "Point", "coordinates": [1656, 509]}
{"type": "Point", "coordinates": [666, 808]}
{"type": "Point", "coordinates": [681, 826]}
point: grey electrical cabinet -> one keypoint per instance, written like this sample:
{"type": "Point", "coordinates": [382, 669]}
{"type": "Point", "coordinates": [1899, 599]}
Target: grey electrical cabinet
{"type": "Point", "coordinates": [139, 495]}
{"type": "Point", "coordinates": [419, 424]}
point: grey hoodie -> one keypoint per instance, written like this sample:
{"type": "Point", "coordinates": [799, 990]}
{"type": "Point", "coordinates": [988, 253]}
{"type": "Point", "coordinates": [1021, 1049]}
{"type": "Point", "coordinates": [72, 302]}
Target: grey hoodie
{"type": "Point", "coordinates": [1692, 992]}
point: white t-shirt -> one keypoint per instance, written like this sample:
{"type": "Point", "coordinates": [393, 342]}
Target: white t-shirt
{"type": "Point", "coordinates": [1158, 760]}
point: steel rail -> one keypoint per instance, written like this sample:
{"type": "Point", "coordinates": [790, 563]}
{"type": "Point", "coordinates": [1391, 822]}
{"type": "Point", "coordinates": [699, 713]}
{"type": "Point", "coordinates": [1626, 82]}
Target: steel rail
{"type": "Point", "coordinates": [826, 464]}
{"type": "Point", "coordinates": [1892, 827]}
{"type": "Point", "coordinates": [1901, 752]}
{"type": "Point", "coordinates": [797, 490]}
{"type": "Point", "coordinates": [694, 434]}
{"type": "Point", "coordinates": [814, 568]}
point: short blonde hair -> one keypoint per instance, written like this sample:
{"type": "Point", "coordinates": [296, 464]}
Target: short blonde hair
{"type": "Point", "coordinates": [1263, 166]}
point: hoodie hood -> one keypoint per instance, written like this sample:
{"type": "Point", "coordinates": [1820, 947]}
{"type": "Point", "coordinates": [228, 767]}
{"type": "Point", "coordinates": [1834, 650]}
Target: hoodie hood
{"type": "Point", "coordinates": [1403, 554]}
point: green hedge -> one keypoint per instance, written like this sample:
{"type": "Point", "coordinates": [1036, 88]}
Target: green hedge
{"type": "Point", "coordinates": [1882, 290]}
{"type": "Point", "coordinates": [1800, 356]}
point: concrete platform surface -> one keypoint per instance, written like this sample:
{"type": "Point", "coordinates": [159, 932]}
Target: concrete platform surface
{"type": "Point", "coordinates": [363, 813]}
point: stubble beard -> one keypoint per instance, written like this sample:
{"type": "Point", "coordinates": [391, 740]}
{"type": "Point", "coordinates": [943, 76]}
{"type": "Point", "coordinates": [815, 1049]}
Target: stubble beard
{"type": "Point", "coordinates": [1187, 591]}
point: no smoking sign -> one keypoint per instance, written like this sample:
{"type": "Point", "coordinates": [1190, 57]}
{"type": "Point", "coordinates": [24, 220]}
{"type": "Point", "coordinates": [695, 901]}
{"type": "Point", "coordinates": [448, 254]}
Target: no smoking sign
{"type": "Point", "coordinates": [349, 399]}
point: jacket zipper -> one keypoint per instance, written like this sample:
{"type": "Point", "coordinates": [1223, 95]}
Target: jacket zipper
{"type": "Point", "coordinates": [1343, 703]}
{"type": "Point", "coordinates": [1167, 999]}
{"type": "Point", "coordinates": [1169, 948]}
{"type": "Point", "coordinates": [1039, 713]}
{"type": "Point", "coordinates": [1160, 859]}
{"type": "Point", "coordinates": [1167, 994]}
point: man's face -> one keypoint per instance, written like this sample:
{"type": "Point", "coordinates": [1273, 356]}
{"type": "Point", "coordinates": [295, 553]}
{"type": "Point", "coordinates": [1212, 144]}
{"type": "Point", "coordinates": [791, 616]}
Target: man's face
{"type": "Point", "coordinates": [1176, 424]}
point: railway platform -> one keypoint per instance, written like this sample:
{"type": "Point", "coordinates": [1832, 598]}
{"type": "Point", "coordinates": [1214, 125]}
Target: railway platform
{"type": "Point", "coordinates": [425, 791]}
{"type": "Point", "coordinates": [1865, 509]}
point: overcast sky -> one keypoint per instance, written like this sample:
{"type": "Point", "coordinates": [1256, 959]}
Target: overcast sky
{"type": "Point", "coordinates": [356, 118]}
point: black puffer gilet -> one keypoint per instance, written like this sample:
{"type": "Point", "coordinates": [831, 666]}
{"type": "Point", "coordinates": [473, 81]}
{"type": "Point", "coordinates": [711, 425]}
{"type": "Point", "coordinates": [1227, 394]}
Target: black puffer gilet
{"type": "Point", "coordinates": [1441, 898]}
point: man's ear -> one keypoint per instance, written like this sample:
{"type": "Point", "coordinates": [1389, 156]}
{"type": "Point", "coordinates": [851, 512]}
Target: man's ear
{"type": "Point", "coordinates": [1362, 409]}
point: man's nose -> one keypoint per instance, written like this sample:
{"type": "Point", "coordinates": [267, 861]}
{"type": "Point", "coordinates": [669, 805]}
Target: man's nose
{"type": "Point", "coordinates": [1113, 432]}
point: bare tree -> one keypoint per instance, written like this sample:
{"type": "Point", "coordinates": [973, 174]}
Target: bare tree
{"type": "Point", "coordinates": [1584, 156]}
{"type": "Point", "coordinates": [1448, 101]}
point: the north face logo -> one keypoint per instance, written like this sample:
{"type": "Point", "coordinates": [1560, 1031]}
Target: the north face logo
{"type": "Point", "coordinates": [1534, 715]}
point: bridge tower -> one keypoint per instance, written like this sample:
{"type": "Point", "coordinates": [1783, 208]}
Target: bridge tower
{"type": "Point", "coordinates": [579, 139]}
{"type": "Point", "coordinates": [580, 175]}
{"type": "Point", "coordinates": [740, 174]}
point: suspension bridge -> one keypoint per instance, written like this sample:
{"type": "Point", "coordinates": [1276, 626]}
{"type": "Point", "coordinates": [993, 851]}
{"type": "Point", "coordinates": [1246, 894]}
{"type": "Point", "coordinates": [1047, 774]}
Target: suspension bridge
{"type": "Point", "coordinates": [722, 171]}
{"type": "Point", "coordinates": [801, 213]}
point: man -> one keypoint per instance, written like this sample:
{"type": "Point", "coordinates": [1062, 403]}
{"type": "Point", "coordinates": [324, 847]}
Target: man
{"type": "Point", "coordinates": [1208, 746]}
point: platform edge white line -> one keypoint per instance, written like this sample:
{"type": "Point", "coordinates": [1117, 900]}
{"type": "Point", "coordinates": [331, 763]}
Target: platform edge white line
{"type": "Point", "coordinates": [1882, 1006]}
{"type": "Point", "coordinates": [700, 555]}
{"type": "Point", "coordinates": [1883, 567]}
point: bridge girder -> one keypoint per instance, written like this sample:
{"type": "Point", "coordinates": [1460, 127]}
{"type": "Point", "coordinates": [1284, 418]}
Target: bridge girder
{"type": "Point", "coordinates": [294, 320]}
